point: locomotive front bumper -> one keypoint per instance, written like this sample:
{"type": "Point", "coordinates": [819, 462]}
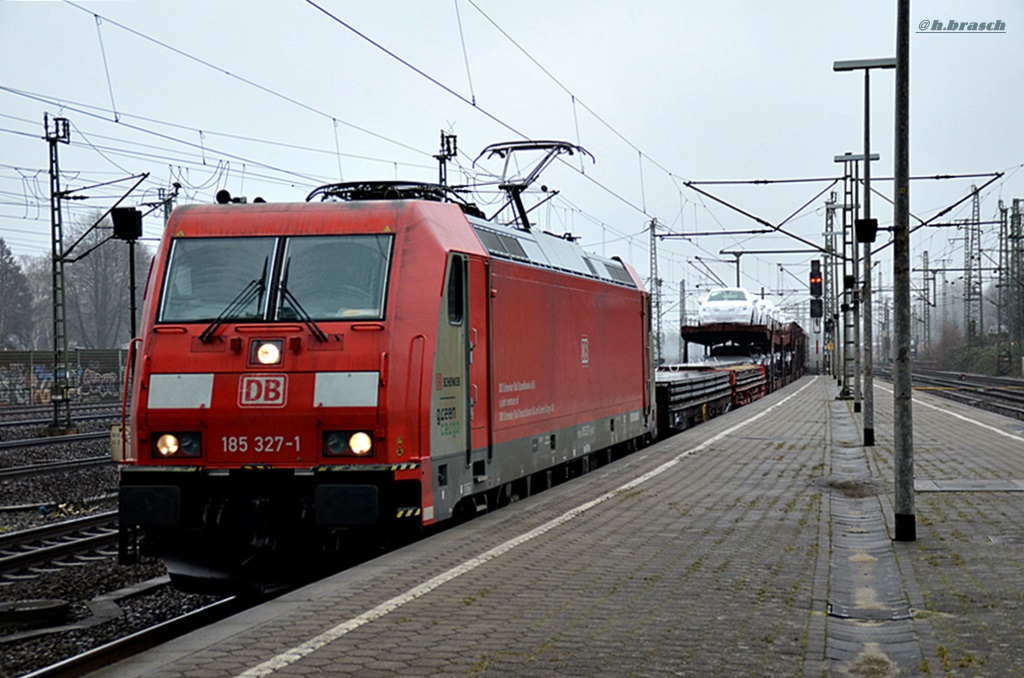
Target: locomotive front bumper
{"type": "Point", "coordinates": [149, 505]}
{"type": "Point", "coordinates": [329, 496]}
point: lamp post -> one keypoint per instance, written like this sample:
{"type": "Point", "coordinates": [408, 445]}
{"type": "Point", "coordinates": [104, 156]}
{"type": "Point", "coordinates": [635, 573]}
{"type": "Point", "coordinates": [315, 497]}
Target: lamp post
{"type": "Point", "coordinates": [905, 524]}
{"type": "Point", "coordinates": [866, 233]}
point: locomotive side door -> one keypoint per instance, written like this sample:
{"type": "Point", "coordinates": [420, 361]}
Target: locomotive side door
{"type": "Point", "coordinates": [479, 354]}
{"type": "Point", "coordinates": [460, 401]}
{"type": "Point", "coordinates": [450, 425]}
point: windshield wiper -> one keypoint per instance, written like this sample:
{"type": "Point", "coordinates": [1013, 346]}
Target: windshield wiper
{"type": "Point", "coordinates": [253, 290]}
{"type": "Point", "coordinates": [286, 295]}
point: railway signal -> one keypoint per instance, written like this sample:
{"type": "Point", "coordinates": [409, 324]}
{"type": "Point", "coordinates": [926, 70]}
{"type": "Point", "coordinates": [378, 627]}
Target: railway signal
{"type": "Point", "coordinates": [816, 280]}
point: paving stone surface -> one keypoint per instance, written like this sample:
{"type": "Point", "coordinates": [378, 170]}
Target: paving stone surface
{"type": "Point", "coordinates": [714, 553]}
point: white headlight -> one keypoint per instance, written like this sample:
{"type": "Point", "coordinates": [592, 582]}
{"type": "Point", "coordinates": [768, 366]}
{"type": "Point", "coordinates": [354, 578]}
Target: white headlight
{"type": "Point", "coordinates": [360, 443]}
{"type": "Point", "coordinates": [167, 445]}
{"type": "Point", "coordinates": [268, 353]}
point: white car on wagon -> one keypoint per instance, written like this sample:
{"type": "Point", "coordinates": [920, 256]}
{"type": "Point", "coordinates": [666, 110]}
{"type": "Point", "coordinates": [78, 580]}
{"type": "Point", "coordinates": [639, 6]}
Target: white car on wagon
{"type": "Point", "coordinates": [728, 305]}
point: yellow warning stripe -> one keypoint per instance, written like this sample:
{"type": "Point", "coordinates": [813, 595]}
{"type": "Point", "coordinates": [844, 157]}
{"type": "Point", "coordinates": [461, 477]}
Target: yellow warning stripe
{"type": "Point", "coordinates": [368, 467]}
{"type": "Point", "coordinates": [411, 512]}
{"type": "Point", "coordinates": [340, 467]}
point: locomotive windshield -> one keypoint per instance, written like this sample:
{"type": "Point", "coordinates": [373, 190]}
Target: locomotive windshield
{"type": "Point", "coordinates": [337, 277]}
{"type": "Point", "coordinates": [217, 277]}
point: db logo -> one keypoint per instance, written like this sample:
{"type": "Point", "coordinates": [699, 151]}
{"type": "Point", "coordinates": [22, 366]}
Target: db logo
{"type": "Point", "coordinates": [263, 390]}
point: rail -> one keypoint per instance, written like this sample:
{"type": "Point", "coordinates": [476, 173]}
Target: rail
{"type": "Point", "coordinates": [47, 543]}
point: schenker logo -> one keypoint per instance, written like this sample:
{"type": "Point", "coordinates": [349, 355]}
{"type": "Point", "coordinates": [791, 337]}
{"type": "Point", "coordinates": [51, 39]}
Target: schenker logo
{"type": "Point", "coordinates": [263, 390]}
{"type": "Point", "coordinates": [442, 382]}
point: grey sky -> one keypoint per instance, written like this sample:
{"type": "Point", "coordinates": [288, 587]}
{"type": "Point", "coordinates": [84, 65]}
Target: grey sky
{"type": "Point", "coordinates": [665, 91]}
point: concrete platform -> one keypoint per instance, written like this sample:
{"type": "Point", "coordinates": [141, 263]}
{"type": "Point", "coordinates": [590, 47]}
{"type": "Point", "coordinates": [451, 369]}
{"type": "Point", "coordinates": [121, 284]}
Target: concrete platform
{"type": "Point", "coordinates": [755, 544]}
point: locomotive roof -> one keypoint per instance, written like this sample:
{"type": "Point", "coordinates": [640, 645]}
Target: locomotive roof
{"type": "Point", "coordinates": [542, 249]}
{"type": "Point", "coordinates": [548, 250]}
{"type": "Point", "coordinates": [536, 248]}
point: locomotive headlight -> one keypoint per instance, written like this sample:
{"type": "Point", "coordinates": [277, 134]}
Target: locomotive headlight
{"type": "Point", "coordinates": [174, 445]}
{"type": "Point", "coordinates": [348, 444]}
{"type": "Point", "coordinates": [360, 444]}
{"type": "Point", "coordinates": [266, 352]}
{"type": "Point", "coordinates": [167, 445]}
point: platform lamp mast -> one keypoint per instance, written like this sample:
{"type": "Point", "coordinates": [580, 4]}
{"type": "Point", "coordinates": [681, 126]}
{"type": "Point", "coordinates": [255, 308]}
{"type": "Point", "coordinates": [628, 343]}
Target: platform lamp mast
{"type": "Point", "coordinates": [59, 133]}
{"type": "Point", "coordinates": [905, 527]}
{"type": "Point", "coordinates": [865, 232]}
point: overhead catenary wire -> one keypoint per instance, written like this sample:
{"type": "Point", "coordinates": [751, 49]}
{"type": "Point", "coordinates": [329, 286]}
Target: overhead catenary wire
{"type": "Point", "coordinates": [235, 76]}
{"type": "Point", "coordinates": [415, 69]}
{"type": "Point", "coordinates": [144, 130]}
{"type": "Point", "coordinates": [106, 67]}
{"type": "Point", "coordinates": [689, 184]}
{"type": "Point", "coordinates": [642, 207]}
{"type": "Point", "coordinates": [181, 163]}
{"type": "Point", "coordinates": [192, 130]}
{"type": "Point", "coordinates": [639, 208]}
{"type": "Point", "coordinates": [465, 54]}
{"type": "Point", "coordinates": [945, 210]}
{"type": "Point", "coordinates": [760, 220]}
{"type": "Point", "coordinates": [202, 146]}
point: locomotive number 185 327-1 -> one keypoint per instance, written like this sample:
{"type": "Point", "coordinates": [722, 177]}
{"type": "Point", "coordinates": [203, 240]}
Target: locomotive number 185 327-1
{"type": "Point", "coordinates": [259, 443]}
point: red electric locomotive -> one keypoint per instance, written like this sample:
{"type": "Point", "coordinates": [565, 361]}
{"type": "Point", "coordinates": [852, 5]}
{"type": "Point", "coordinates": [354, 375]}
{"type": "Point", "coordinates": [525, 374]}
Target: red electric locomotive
{"type": "Point", "coordinates": [313, 374]}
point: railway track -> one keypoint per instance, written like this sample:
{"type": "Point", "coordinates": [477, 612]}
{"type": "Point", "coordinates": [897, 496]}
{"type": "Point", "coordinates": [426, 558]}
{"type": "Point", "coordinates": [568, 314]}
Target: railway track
{"type": "Point", "coordinates": [30, 470]}
{"type": "Point", "coordinates": [51, 440]}
{"type": "Point", "coordinates": [57, 578]}
{"type": "Point", "coordinates": [48, 544]}
{"type": "Point", "coordinates": [1002, 395]}
{"type": "Point", "coordinates": [12, 417]}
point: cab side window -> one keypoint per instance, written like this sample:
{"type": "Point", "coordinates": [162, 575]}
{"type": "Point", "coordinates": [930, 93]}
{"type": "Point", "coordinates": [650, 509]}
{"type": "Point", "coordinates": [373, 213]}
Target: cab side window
{"type": "Point", "coordinates": [457, 290]}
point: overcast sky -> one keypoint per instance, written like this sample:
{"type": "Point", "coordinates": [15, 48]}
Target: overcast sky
{"type": "Point", "coordinates": [271, 99]}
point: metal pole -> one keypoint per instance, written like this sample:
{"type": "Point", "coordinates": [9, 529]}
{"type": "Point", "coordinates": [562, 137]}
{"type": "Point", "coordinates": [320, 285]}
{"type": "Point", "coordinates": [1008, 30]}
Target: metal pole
{"type": "Point", "coordinates": [656, 292]}
{"type": "Point", "coordinates": [869, 379]}
{"type": "Point", "coordinates": [831, 300]}
{"type": "Point", "coordinates": [903, 426]}
{"type": "Point", "coordinates": [862, 295]}
{"type": "Point", "coordinates": [847, 304]}
{"type": "Point", "coordinates": [855, 292]}
{"type": "Point", "coordinates": [59, 390]}
{"type": "Point", "coordinates": [131, 285]}
{"type": "Point", "coordinates": [682, 321]}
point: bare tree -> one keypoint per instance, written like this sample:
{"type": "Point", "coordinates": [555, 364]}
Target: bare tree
{"type": "Point", "coordinates": [15, 302]}
{"type": "Point", "coordinates": [39, 273]}
{"type": "Point", "coordinates": [97, 292]}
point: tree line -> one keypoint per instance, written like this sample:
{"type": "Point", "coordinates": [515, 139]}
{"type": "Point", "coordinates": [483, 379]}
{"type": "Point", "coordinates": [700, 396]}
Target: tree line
{"type": "Point", "coordinates": [96, 292]}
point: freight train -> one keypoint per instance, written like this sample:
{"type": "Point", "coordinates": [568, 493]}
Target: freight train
{"type": "Point", "coordinates": [745, 362]}
{"type": "Point", "coordinates": [312, 378]}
